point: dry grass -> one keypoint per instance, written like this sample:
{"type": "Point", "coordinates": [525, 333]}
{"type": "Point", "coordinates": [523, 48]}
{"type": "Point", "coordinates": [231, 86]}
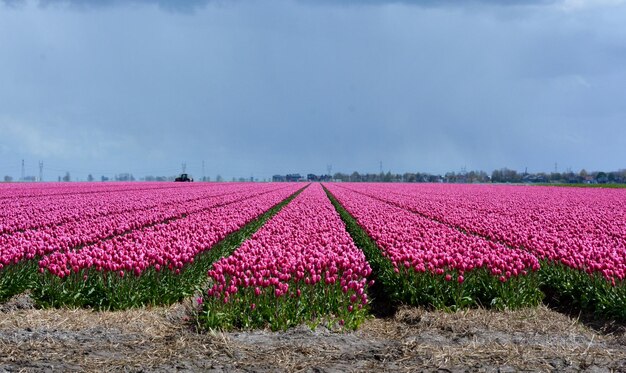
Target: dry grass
{"type": "Point", "coordinates": [414, 339]}
{"type": "Point", "coordinates": [82, 339]}
{"type": "Point", "coordinates": [530, 339]}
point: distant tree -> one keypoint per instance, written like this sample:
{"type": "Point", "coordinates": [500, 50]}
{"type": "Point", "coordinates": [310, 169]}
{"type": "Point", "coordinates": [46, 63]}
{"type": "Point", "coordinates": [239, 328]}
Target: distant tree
{"type": "Point", "coordinates": [388, 177]}
{"type": "Point", "coordinates": [8, 178]}
{"type": "Point", "coordinates": [341, 176]}
{"type": "Point", "coordinates": [612, 177]}
{"type": "Point", "coordinates": [505, 175]}
{"type": "Point", "coordinates": [477, 177]}
{"type": "Point", "coordinates": [409, 177]}
{"type": "Point", "coordinates": [511, 176]}
{"type": "Point", "coordinates": [556, 177]}
{"type": "Point", "coordinates": [90, 177]}
{"type": "Point", "coordinates": [125, 177]}
{"type": "Point", "coordinates": [496, 176]}
{"type": "Point", "coordinates": [219, 178]}
{"type": "Point", "coordinates": [67, 177]}
{"type": "Point", "coordinates": [450, 177]}
{"type": "Point", "coordinates": [370, 178]}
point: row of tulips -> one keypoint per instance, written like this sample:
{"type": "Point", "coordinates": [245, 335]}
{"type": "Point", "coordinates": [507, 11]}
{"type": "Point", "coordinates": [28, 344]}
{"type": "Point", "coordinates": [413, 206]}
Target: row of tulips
{"type": "Point", "coordinates": [28, 191]}
{"type": "Point", "coordinates": [148, 261]}
{"type": "Point", "coordinates": [21, 214]}
{"type": "Point", "coordinates": [17, 250]}
{"type": "Point", "coordinates": [76, 233]}
{"type": "Point", "coordinates": [301, 266]}
{"type": "Point", "coordinates": [426, 262]}
{"type": "Point", "coordinates": [584, 229]}
{"type": "Point", "coordinates": [578, 234]}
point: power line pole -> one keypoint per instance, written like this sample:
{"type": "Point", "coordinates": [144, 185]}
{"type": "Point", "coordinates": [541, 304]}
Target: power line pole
{"type": "Point", "coordinates": [381, 167]}
{"type": "Point", "coordinates": [23, 173]}
{"type": "Point", "coordinates": [184, 167]}
{"type": "Point", "coordinates": [203, 171]}
{"type": "Point", "coordinates": [40, 171]}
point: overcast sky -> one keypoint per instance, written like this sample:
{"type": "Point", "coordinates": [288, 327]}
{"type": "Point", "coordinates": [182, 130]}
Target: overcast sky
{"type": "Point", "coordinates": [256, 88]}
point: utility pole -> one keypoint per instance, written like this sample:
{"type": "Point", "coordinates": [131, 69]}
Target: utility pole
{"type": "Point", "coordinates": [184, 167]}
{"type": "Point", "coordinates": [23, 172]}
{"type": "Point", "coordinates": [203, 179]}
{"type": "Point", "coordinates": [381, 167]}
{"type": "Point", "coordinates": [329, 169]}
{"type": "Point", "coordinates": [40, 171]}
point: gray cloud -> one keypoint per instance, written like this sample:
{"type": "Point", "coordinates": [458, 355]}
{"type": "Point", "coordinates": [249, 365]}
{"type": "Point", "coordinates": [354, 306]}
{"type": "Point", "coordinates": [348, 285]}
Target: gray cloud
{"type": "Point", "coordinates": [190, 5]}
{"type": "Point", "coordinates": [185, 6]}
{"type": "Point", "coordinates": [436, 3]}
{"type": "Point", "coordinates": [257, 88]}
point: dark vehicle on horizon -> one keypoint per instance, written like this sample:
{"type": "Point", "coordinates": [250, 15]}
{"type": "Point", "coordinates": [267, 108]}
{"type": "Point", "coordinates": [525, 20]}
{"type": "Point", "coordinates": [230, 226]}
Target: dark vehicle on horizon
{"type": "Point", "coordinates": [184, 178]}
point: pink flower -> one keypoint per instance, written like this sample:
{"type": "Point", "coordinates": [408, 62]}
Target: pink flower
{"type": "Point", "coordinates": [295, 248]}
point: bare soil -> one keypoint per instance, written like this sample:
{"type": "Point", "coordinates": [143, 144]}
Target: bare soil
{"type": "Point", "coordinates": [413, 339]}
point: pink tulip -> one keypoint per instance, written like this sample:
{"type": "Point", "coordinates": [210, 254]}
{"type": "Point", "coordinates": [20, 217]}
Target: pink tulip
{"type": "Point", "coordinates": [584, 229]}
{"type": "Point", "coordinates": [304, 244]}
{"type": "Point", "coordinates": [411, 240]}
{"type": "Point", "coordinates": [211, 214]}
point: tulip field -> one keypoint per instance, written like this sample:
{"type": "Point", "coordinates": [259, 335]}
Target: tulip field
{"type": "Point", "coordinates": [432, 263]}
{"type": "Point", "coordinates": [300, 266]}
{"type": "Point", "coordinates": [578, 235]}
{"type": "Point", "coordinates": [281, 254]}
{"type": "Point", "coordinates": [129, 244]}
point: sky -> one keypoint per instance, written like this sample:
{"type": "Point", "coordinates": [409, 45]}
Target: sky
{"type": "Point", "coordinates": [253, 88]}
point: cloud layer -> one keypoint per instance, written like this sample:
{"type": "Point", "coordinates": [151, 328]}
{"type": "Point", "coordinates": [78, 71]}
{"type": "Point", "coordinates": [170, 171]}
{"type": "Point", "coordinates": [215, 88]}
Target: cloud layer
{"type": "Point", "coordinates": [256, 88]}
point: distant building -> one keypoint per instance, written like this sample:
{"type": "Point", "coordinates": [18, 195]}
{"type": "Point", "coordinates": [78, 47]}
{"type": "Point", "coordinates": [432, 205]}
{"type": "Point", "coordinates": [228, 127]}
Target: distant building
{"type": "Point", "coordinates": [293, 177]}
{"type": "Point", "coordinates": [298, 177]}
{"type": "Point", "coordinates": [313, 177]}
{"type": "Point", "coordinates": [124, 177]}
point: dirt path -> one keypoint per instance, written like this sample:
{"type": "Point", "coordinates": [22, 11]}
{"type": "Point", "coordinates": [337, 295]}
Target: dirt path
{"type": "Point", "coordinates": [162, 339]}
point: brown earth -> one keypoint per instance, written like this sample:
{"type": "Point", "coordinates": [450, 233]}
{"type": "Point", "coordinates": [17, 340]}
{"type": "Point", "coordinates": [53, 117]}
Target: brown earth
{"type": "Point", "coordinates": [163, 339]}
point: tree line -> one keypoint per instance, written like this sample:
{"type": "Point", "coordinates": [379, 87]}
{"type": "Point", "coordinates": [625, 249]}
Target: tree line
{"type": "Point", "coordinates": [503, 175]}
